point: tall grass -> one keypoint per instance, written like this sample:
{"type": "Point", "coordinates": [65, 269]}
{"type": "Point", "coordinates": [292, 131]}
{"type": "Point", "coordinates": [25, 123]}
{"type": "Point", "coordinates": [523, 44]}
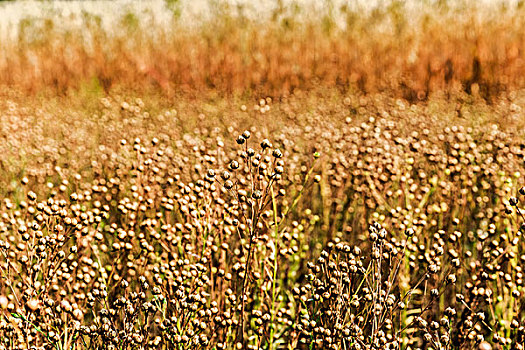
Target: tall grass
{"type": "Point", "coordinates": [391, 48]}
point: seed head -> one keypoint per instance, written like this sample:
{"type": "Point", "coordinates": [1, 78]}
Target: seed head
{"type": "Point", "coordinates": [266, 144]}
{"type": "Point", "coordinates": [33, 304]}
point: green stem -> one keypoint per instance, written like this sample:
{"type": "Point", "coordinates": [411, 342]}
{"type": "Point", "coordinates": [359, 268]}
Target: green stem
{"type": "Point", "coordinates": [276, 235]}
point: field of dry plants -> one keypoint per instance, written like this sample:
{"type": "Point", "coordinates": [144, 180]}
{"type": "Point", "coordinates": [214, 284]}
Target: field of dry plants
{"type": "Point", "coordinates": [302, 187]}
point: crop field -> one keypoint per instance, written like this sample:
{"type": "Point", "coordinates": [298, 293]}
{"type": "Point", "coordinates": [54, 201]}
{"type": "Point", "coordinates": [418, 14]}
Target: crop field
{"type": "Point", "coordinates": [276, 183]}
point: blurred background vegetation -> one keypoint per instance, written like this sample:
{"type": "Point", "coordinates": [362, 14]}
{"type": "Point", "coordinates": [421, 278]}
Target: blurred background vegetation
{"type": "Point", "coordinates": [406, 48]}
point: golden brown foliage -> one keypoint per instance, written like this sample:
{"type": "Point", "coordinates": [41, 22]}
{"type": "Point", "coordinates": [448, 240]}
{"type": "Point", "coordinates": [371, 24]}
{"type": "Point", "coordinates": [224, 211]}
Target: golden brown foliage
{"type": "Point", "coordinates": [390, 48]}
{"type": "Point", "coordinates": [319, 221]}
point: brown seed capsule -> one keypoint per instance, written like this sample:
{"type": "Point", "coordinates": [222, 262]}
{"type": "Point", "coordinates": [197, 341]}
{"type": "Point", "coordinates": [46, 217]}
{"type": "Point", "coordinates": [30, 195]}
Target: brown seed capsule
{"type": "Point", "coordinates": [33, 304]}
{"type": "Point", "coordinates": [277, 153]}
{"type": "Point", "coordinates": [266, 144]}
{"type": "Point", "coordinates": [484, 346]}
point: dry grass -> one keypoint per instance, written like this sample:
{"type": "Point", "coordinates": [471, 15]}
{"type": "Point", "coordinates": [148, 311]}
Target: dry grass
{"type": "Point", "coordinates": [389, 49]}
{"type": "Point", "coordinates": [334, 214]}
{"type": "Point", "coordinates": [336, 221]}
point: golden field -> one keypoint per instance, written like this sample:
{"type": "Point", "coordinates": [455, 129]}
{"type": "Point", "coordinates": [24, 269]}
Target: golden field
{"type": "Point", "coordinates": [392, 48]}
{"type": "Point", "coordinates": [353, 181]}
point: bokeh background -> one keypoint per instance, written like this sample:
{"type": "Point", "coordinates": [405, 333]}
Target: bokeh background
{"type": "Point", "coordinates": [409, 48]}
